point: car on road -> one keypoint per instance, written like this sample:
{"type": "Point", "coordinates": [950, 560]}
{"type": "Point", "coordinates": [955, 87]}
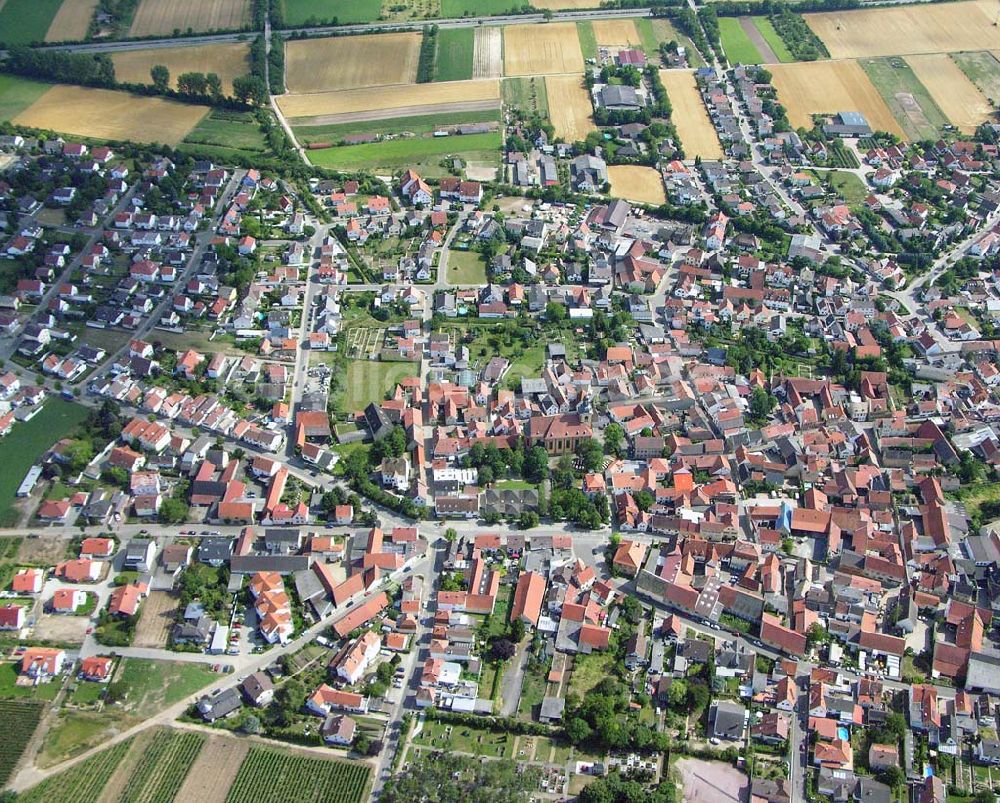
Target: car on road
{"type": "Point", "coordinates": [714, 740]}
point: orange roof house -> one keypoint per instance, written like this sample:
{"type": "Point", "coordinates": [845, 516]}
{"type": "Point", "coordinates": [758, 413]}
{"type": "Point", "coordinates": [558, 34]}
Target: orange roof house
{"type": "Point", "coordinates": [528, 598]}
{"type": "Point", "coordinates": [629, 556]}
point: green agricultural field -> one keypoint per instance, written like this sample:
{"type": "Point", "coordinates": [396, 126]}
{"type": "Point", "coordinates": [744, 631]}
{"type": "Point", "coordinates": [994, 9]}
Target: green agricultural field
{"type": "Point", "coordinates": [526, 94]}
{"type": "Point", "coordinates": [81, 783]}
{"type": "Point", "coordinates": [466, 267]}
{"type": "Point", "coordinates": [454, 54]}
{"type": "Point", "coordinates": [893, 77]}
{"type": "Point", "coordinates": [478, 8]}
{"type": "Point", "coordinates": [588, 39]}
{"type": "Point", "coordinates": [650, 41]}
{"type": "Point", "coordinates": [420, 124]}
{"type": "Point", "coordinates": [982, 68]}
{"type": "Point", "coordinates": [226, 132]}
{"type": "Point", "coordinates": [268, 775]}
{"type": "Point", "coordinates": [17, 94]}
{"type": "Point", "coordinates": [771, 36]}
{"type": "Point", "coordinates": [26, 21]}
{"type": "Point", "coordinates": [26, 444]}
{"type": "Point", "coordinates": [736, 44]}
{"type": "Point", "coordinates": [423, 153]}
{"type": "Point", "coordinates": [20, 718]}
{"type": "Point", "coordinates": [316, 12]}
{"type": "Point", "coordinates": [369, 380]}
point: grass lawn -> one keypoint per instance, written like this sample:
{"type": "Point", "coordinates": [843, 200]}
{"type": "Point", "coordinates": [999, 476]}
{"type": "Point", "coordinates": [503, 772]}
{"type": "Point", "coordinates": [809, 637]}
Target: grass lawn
{"type": "Point", "coordinates": [466, 267]}
{"type": "Point", "coordinates": [421, 153]}
{"type": "Point", "coordinates": [303, 12]}
{"type": "Point", "coordinates": [893, 76]}
{"type": "Point", "coordinates": [25, 445]}
{"type": "Point", "coordinates": [419, 124]}
{"type": "Point", "coordinates": [464, 739]}
{"type": "Point", "coordinates": [736, 44]}
{"type": "Point", "coordinates": [528, 94]}
{"type": "Point", "coordinates": [588, 40]}
{"type": "Point", "coordinates": [588, 671]}
{"type": "Point", "coordinates": [454, 54]}
{"type": "Point", "coordinates": [87, 693]}
{"type": "Point", "coordinates": [533, 687]}
{"type": "Point", "coordinates": [650, 41]}
{"type": "Point", "coordinates": [514, 485]}
{"type": "Point", "coordinates": [368, 381]}
{"type": "Point", "coordinates": [9, 689]}
{"type": "Point", "coordinates": [847, 184]}
{"type": "Point", "coordinates": [233, 131]}
{"type": "Point", "coordinates": [17, 94]}
{"type": "Point", "coordinates": [26, 21]}
{"type": "Point", "coordinates": [763, 24]}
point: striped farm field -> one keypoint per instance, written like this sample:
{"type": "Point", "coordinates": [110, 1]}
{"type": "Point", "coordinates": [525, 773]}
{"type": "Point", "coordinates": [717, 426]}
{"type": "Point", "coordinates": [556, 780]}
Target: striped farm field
{"type": "Point", "coordinates": [163, 17]}
{"type": "Point", "coordinates": [272, 776]}
{"type": "Point", "coordinates": [694, 127]}
{"type": "Point", "coordinates": [905, 30]}
{"type": "Point", "coordinates": [570, 109]}
{"type": "Point", "coordinates": [82, 783]}
{"type": "Point", "coordinates": [963, 104]}
{"type": "Point", "coordinates": [826, 87]}
{"type": "Point", "coordinates": [72, 21]}
{"type": "Point", "coordinates": [106, 114]}
{"type": "Point", "coordinates": [160, 772]}
{"type": "Point", "coordinates": [548, 49]}
{"type": "Point", "coordinates": [610, 33]}
{"type": "Point", "coordinates": [20, 718]}
{"type": "Point", "coordinates": [635, 183]}
{"type": "Point", "coordinates": [228, 61]}
{"type": "Point", "coordinates": [387, 101]}
{"type": "Point", "coordinates": [346, 62]}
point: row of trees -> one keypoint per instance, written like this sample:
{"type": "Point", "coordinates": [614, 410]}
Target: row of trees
{"type": "Point", "coordinates": [428, 54]}
{"type": "Point", "coordinates": [800, 39]}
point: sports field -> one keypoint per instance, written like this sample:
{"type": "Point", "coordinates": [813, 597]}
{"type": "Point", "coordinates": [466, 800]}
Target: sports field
{"type": "Point", "coordinates": [736, 44]}
{"type": "Point", "coordinates": [228, 61]}
{"type": "Point", "coordinates": [610, 33]}
{"type": "Point", "coordinates": [570, 106]}
{"type": "Point", "coordinates": [455, 49]}
{"type": "Point", "coordinates": [904, 30]}
{"type": "Point", "coordinates": [26, 21]}
{"type": "Point", "coordinates": [390, 99]}
{"type": "Point", "coordinates": [825, 87]}
{"type": "Point", "coordinates": [908, 99]}
{"type": "Point", "coordinates": [690, 116]}
{"type": "Point", "coordinates": [72, 21]}
{"type": "Point", "coordinates": [346, 62]}
{"type": "Point", "coordinates": [635, 183]}
{"type": "Point", "coordinates": [162, 17]}
{"type": "Point", "coordinates": [962, 103]}
{"type": "Point", "coordinates": [983, 69]}
{"type": "Point", "coordinates": [106, 114]}
{"type": "Point", "coordinates": [547, 49]}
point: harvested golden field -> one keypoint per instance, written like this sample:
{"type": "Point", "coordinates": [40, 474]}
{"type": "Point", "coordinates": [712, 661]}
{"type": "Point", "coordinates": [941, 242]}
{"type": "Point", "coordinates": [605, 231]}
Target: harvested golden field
{"type": "Point", "coordinates": [161, 17]}
{"type": "Point", "coordinates": [544, 49]}
{"type": "Point", "coordinates": [228, 61]}
{"type": "Point", "coordinates": [694, 127]}
{"type": "Point", "coordinates": [826, 87]}
{"type": "Point", "coordinates": [346, 62]}
{"type": "Point", "coordinates": [71, 21]}
{"type": "Point", "coordinates": [904, 30]}
{"type": "Point", "coordinates": [390, 99]}
{"type": "Point", "coordinates": [616, 32]}
{"type": "Point", "coordinates": [570, 108]}
{"type": "Point", "coordinates": [963, 104]}
{"type": "Point", "coordinates": [634, 183]}
{"type": "Point", "coordinates": [106, 114]}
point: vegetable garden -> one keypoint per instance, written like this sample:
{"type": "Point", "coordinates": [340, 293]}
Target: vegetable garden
{"type": "Point", "coordinates": [268, 775]}
{"type": "Point", "coordinates": [20, 719]}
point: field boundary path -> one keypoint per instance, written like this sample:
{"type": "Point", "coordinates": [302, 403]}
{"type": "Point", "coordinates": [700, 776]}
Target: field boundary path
{"type": "Point", "coordinates": [767, 54]}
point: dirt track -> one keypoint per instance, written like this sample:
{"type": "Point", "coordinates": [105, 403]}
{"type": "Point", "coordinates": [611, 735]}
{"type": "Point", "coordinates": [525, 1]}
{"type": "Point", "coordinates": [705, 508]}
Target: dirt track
{"type": "Point", "coordinates": [767, 54]}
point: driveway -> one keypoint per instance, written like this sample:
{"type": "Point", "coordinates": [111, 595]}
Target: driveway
{"type": "Point", "coordinates": [510, 684]}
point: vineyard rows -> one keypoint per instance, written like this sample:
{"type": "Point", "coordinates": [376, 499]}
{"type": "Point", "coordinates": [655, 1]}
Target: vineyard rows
{"type": "Point", "coordinates": [163, 767]}
{"type": "Point", "coordinates": [20, 718]}
{"type": "Point", "coordinates": [268, 776]}
{"type": "Point", "coordinates": [82, 783]}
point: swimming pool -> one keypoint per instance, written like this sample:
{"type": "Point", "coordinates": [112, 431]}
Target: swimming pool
{"type": "Point", "coordinates": [843, 733]}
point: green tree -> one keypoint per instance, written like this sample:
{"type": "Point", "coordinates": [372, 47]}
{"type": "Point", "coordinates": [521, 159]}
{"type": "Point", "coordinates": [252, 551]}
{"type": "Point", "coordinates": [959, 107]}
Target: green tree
{"type": "Point", "coordinates": [517, 631]}
{"type": "Point", "coordinates": [761, 405]}
{"type": "Point", "coordinates": [536, 464]}
{"type": "Point", "coordinates": [161, 77]}
{"type": "Point", "coordinates": [614, 440]}
{"type": "Point", "coordinates": [173, 511]}
{"type": "Point", "coordinates": [556, 313]}
{"type": "Point", "coordinates": [528, 519]}
{"type": "Point", "coordinates": [451, 535]}
{"type": "Point", "coordinates": [578, 730]}
{"type": "Point", "coordinates": [250, 89]}
{"type": "Point", "coordinates": [590, 453]}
